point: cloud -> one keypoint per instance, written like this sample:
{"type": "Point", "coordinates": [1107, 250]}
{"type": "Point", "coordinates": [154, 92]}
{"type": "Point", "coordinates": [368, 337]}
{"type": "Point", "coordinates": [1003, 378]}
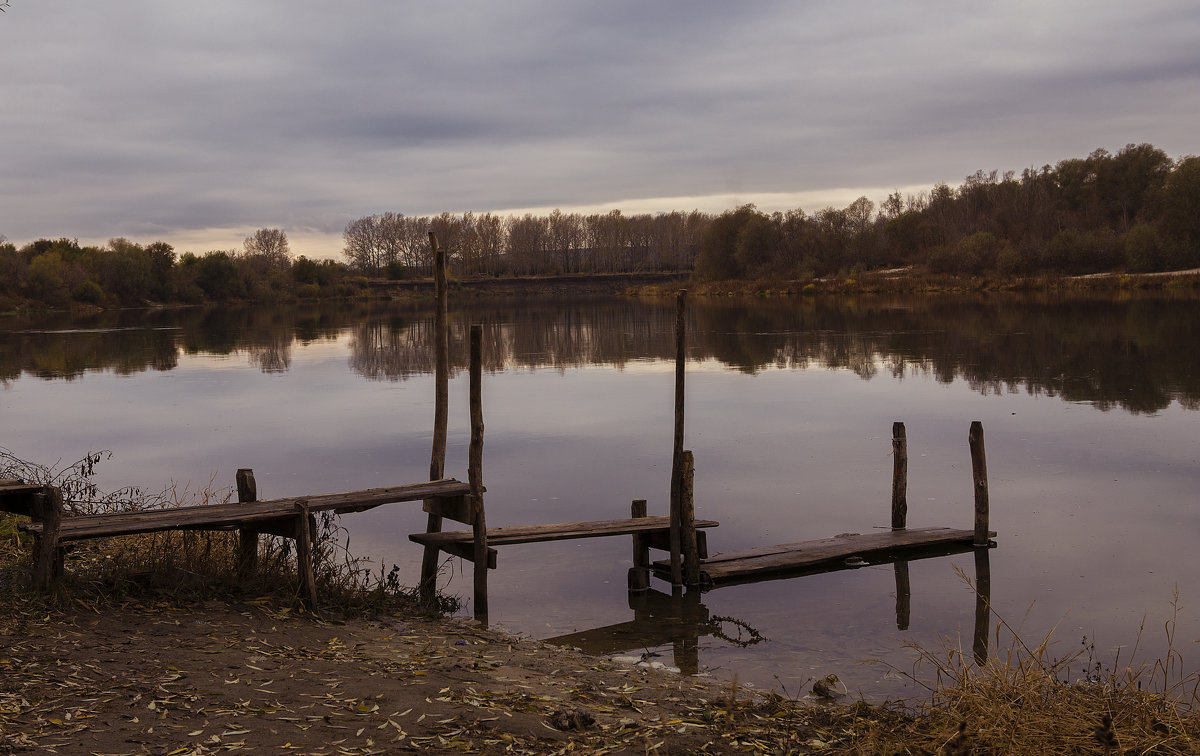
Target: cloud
{"type": "Point", "coordinates": [224, 115]}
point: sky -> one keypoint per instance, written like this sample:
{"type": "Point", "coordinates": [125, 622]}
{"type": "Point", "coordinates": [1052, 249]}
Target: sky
{"type": "Point", "coordinates": [198, 122]}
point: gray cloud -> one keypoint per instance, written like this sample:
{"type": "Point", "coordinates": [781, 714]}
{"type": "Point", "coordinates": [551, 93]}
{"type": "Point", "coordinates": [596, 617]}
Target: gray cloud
{"type": "Point", "coordinates": [122, 118]}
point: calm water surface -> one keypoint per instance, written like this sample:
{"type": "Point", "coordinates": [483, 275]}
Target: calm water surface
{"type": "Point", "coordinates": [1088, 406]}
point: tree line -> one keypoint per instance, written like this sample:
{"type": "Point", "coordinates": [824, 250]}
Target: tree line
{"type": "Point", "coordinates": [122, 273]}
{"type": "Point", "coordinates": [486, 244]}
{"type": "Point", "coordinates": [1134, 210]}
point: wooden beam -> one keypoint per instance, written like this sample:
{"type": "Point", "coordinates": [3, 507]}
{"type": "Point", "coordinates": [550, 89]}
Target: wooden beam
{"type": "Point", "coordinates": [457, 508]}
{"type": "Point", "coordinates": [687, 521]}
{"type": "Point", "coordinates": [466, 550]}
{"type": "Point", "coordinates": [750, 564]}
{"type": "Point", "coordinates": [561, 531]}
{"type": "Point", "coordinates": [237, 514]}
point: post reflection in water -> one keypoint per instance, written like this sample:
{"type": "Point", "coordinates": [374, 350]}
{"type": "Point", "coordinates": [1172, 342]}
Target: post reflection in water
{"type": "Point", "coordinates": [680, 619]}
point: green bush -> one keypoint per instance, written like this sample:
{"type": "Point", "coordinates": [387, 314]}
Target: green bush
{"type": "Point", "coordinates": [308, 291]}
{"type": "Point", "coordinates": [88, 292]}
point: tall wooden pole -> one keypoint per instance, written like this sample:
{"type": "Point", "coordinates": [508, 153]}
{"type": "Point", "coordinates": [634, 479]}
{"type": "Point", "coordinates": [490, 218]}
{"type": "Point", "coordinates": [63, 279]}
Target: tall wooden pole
{"type": "Point", "coordinates": [899, 477]}
{"type": "Point", "coordinates": [441, 410]}
{"type": "Point", "coordinates": [979, 478]}
{"type": "Point", "coordinates": [475, 475]}
{"type": "Point", "coordinates": [677, 452]}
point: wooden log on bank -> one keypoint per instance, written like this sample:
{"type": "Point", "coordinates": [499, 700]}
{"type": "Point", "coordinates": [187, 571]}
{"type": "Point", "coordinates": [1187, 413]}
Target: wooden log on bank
{"type": "Point", "coordinates": [441, 410]}
{"type": "Point", "coordinates": [247, 553]}
{"type": "Point", "coordinates": [475, 474]}
{"type": "Point", "coordinates": [979, 478]}
{"type": "Point", "coordinates": [899, 477]}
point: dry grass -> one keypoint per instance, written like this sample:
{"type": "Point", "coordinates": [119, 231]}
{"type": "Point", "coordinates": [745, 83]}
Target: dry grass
{"type": "Point", "coordinates": [1025, 700]}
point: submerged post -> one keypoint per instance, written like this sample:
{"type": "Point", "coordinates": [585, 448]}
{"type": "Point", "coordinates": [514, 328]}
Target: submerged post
{"type": "Point", "coordinates": [979, 478]}
{"type": "Point", "coordinates": [441, 407]}
{"type": "Point", "coordinates": [899, 477]}
{"type": "Point", "coordinates": [639, 573]}
{"type": "Point", "coordinates": [677, 451]}
{"type": "Point", "coordinates": [247, 491]}
{"type": "Point", "coordinates": [475, 475]}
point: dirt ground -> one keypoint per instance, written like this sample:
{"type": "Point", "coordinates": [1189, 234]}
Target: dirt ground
{"type": "Point", "coordinates": [149, 678]}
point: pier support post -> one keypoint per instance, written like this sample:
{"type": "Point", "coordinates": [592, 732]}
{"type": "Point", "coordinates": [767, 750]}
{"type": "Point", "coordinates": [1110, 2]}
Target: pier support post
{"type": "Point", "coordinates": [47, 564]}
{"type": "Point", "coordinates": [687, 521]}
{"type": "Point", "coordinates": [247, 554]}
{"type": "Point", "coordinates": [979, 478]}
{"type": "Point", "coordinates": [475, 475]}
{"type": "Point", "coordinates": [441, 405]}
{"type": "Point", "coordinates": [677, 452]}
{"type": "Point", "coordinates": [639, 573]}
{"type": "Point", "coordinates": [304, 556]}
{"type": "Point", "coordinates": [899, 477]}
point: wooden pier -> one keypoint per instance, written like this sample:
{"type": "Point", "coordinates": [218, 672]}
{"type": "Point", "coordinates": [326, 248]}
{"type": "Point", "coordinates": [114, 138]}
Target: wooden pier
{"type": "Point", "coordinates": [680, 534]}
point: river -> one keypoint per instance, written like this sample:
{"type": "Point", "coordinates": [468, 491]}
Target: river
{"type": "Point", "coordinates": [1088, 405]}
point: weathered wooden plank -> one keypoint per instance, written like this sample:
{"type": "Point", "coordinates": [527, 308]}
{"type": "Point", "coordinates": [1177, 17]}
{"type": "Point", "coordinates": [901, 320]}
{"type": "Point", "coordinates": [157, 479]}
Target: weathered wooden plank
{"type": "Point", "coordinates": [560, 531]}
{"type": "Point", "coordinates": [465, 550]}
{"type": "Point", "coordinates": [452, 508]}
{"type": "Point", "coordinates": [747, 564]}
{"type": "Point", "coordinates": [16, 496]}
{"type": "Point", "coordinates": [219, 516]}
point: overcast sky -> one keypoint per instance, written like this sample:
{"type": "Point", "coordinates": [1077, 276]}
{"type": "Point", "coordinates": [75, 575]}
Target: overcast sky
{"type": "Point", "coordinates": [198, 122]}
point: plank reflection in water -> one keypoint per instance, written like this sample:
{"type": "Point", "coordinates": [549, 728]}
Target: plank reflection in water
{"type": "Point", "coordinates": [680, 620]}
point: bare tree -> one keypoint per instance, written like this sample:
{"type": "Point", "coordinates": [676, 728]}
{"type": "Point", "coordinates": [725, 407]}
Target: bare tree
{"type": "Point", "coordinates": [270, 245]}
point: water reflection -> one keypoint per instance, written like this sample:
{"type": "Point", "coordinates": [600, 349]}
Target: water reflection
{"type": "Point", "coordinates": [1131, 352]}
{"type": "Point", "coordinates": [681, 619]}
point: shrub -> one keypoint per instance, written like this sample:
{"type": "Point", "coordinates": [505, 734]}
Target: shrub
{"type": "Point", "coordinates": [88, 292]}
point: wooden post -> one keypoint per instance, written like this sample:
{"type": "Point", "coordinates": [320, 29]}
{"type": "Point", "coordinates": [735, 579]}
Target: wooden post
{"type": "Point", "coordinates": [475, 475]}
{"type": "Point", "coordinates": [48, 506]}
{"type": "Point", "coordinates": [639, 573]}
{"type": "Point", "coordinates": [903, 595]}
{"type": "Point", "coordinates": [247, 491]}
{"type": "Point", "coordinates": [687, 521]}
{"type": "Point", "coordinates": [677, 451]}
{"type": "Point", "coordinates": [983, 605]}
{"type": "Point", "coordinates": [441, 405]}
{"type": "Point", "coordinates": [979, 477]}
{"type": "Point", "coordinates": [304, 556]}
{"type": "Point", "coordinates": [899, 477]}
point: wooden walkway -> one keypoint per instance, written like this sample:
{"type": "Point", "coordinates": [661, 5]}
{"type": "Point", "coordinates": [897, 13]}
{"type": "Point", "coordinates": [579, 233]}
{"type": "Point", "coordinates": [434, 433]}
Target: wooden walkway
{"type": "Point", "coordinates": [288, 517]}
{"type": "Point", "coordinates": [241, 514]}
{"type": "Point", "coordinates": [826, 554]}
